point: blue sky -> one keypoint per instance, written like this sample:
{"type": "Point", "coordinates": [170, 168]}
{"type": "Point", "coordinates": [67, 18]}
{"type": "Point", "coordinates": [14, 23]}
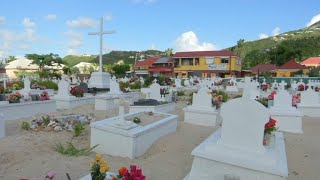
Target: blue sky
{"type": "Point", "coordinates": [62, 27]}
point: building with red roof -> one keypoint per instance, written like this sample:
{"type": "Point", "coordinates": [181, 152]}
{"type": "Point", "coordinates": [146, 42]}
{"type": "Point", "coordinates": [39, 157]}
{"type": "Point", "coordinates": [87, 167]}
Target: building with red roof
{"type": "Point", "coordinates": [290, 68]}
{"type": "Point", "coordinates": [222, 63]}
{"type": "Point", "coordinates": [141, 67]}
{"type": "Point", "coordinates": [311, 62]}
{"type": "Point", "coordinates": [261, 68]}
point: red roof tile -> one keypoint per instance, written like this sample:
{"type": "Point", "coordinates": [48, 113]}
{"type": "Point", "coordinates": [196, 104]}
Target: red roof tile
{"type": "Point", "coordinates": [292, 64]}
{"type": "Point", "coordinates": [263, 68]}
{"type": "Point", "coordinates": [312, 60]}
{"type": "Point", "coordinates": [146, 62]}
{"type": "Point", "coordinates": [204, 53]}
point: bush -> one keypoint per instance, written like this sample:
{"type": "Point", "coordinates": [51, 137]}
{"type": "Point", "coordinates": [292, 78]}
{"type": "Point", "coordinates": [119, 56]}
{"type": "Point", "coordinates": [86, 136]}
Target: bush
{"type": "Point", "coordinates": [123, 85]}
{"type": "Point", "coordinates": [136, 85]}
{"type": "Point", "coordinates": [71, 150]}
{"type": "Point", "coordinates": [25, 125]}
{"type": "Point", "coordinates": [48, 84]}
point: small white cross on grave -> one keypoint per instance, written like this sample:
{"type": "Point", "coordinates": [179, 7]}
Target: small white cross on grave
{"type": "Point", "coordinates": [264, 81]}
{"type": "Point", "coordinates": [282, 85]}
{"type": "Point", "coordinates": [155, 80]}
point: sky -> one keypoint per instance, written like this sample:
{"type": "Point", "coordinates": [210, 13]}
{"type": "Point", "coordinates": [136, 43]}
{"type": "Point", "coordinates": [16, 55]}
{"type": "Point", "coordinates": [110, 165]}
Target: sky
{"type": "Point", "coordinates": [62, 27]}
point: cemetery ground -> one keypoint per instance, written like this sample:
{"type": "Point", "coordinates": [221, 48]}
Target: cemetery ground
{"type": "Point", "coordinates": [31, 154]}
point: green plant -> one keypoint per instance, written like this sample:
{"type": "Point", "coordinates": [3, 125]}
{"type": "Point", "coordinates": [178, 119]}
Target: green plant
{"type": "Point", "coordinates": [45, 120]}
{"type": "Point", "coordinates": [99, 167]}
{"type": "Point", "coordinates": [136, 120]}
{"type": "Point", "coordinates": [136, 85]}
{"type": "Point", "coordinates": [79, 127]}
{"type": "Point", "coordinates": [25, 125]}
{"type": "Point", "coordinates": [180, 93]}
{"type": "Point", "coordinates": [71, 150]}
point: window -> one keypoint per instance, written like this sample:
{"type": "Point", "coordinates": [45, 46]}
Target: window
{"type": "Point", "coordinates": [238, 61]}
{"type": "Point", "coordinates": [210, 60]}
{"type": "Point", "coordinates": [197, 62]}
{"type": "Point", "coordinates": [176, 63]}
{"type": "Point", "coordinates": [224, 60]}
{"type": "Point", "coordinates": [187, 61]}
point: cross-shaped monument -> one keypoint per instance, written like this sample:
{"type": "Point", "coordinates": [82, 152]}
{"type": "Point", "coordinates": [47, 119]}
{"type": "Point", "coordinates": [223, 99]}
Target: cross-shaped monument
{"type": "Point", "coordinates": [282, 85]}
{"type": "Point", "coordinates": [100, 79]}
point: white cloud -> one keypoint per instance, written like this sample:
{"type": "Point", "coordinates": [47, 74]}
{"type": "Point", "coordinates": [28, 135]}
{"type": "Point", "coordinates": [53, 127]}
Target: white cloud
{"type": "Point", "coordinates": [7, 35]}
{"type": "Point", "coordinates": [82, 22]}
{"type": "Point", "coordinates": [2, 19]}
{"type": "Point", "coordinates": [189, 41]}
{"type": "Point", "coordinates": [72, 52]}
{"type": "Point", "coordinates": [28, 23]}
{"type": "Point", "coordinates": [73, 34]}
{"type": "Point", "coordinates": [313, 20]}
{"type": "Point", "coordinates": [51, 17]}
{"type": "Point", "coordinates": [29, 35]}
{"type": "Point", "coordinates": [263, 36]}
{"type": "Point", "coordinates": [108, 17]}
{"type": "Point", "coordinates": [74, 43]}
{"type": "Point", "coordinates": [276, 31]}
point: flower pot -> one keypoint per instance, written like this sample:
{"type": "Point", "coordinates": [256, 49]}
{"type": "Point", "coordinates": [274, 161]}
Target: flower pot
{"type": "Point", "coordinates": [268, 139]}
{"type": "Point", "coordinates": [270, 103]}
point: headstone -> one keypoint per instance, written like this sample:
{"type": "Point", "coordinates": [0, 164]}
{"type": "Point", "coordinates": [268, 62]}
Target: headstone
{"type": "Point", "coordinates": [251, 89]}
{"type": "Point", "coordinates": [191, 80]}
{"type": "Point", "coordinates": [202, 99]}
{"type": "Point", "coordinates": [141, 80]}
{"type": "Point", "coordinates": [264, 81]}
{"type": "Point", "coordinates": [146, 102]}
{"type": "Point", "coordinates": [301, 83]}
{"type": "Point", "coordinates": [26, 82]}
{"type": "Point", "coordinates": [114, 86]}
{"type": "Point", "coordinates": [155, 91]}
{"type": "Point", "coordinates": [186, 83]}
{"type": "Point", "coordinates": [177, 82]}
{"type": "Point", "coordinates": [274, 85]}
{"type": "Point", "coordinates": [251, 113]}
{"type": "Point", "coordinates": [74, 80]}
{"type": "Point", "coordinates": [282, 100]}
{"type": "Point", "coordinates": [309, 98]}
{"type": "Point", "coordinates": [84, 86]}
{"type": "Point", "coordinates": [63, 88]}
{"type": "Point", "coordinates": [282, 85]}
{"type": "Point", "coordinates": [294, 85]}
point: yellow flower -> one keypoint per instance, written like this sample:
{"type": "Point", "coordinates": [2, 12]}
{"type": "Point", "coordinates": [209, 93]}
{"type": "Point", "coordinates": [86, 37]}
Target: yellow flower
{"type": "Point", "coordinates": [103, 169]}
{"type": "Point", "coordinates": [98, 157]}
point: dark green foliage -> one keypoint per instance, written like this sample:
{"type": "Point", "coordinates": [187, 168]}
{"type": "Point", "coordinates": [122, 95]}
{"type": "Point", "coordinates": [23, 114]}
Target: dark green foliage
{"type": "Point", "coordinates": [44, 59]}
{"type": "Point", "coordinates": [45, 120]}
{"type": "Point", "coordinates": [136, 85]}
{"type": "Point", "coordinates": [180, 93]}
{"type": "Point", "coordinates": [120, 70]}
{"type": "Point", "coordinates": [72, 60]}
{"type": "Point", "coordinates": [25, 125]}
{"type": "Point", "coordinates": [314, 72]}
{"type": "Point", "coordinates": [48, 84]}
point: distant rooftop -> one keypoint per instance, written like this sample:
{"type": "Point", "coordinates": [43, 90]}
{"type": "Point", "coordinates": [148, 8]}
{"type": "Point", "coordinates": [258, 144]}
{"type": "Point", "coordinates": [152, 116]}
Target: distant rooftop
{"type": "Point", "coordinates": [163, 60]}
{"type": "Point", "coordinates": [204, 53]}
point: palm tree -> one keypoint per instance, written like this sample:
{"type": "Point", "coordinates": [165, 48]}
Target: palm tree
{"type": "Point", "coordinates": [169, 52]}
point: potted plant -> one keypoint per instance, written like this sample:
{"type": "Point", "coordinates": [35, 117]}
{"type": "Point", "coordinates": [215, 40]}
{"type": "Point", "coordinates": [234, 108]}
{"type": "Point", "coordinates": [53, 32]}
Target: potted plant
{"type": "Point", "coordinates": [133, 173]}
{"type": "Point", "coordinates": [14, 97]}
{"type": "Point", "coordinates": [269, 129]}
{"type": "Point", "coordinates": [99, 168]}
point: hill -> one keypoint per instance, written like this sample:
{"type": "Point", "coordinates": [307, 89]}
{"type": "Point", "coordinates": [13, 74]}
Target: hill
{"type": "Point", "coordinates": [127, 56]}
{"type": "Point", "coordinates": [299, 45]}
{"type": "Point", "coordinates": [72, 60]}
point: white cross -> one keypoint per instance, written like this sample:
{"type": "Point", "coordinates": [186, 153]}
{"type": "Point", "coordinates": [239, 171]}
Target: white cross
{"type": "Point", "coordinates": [155, 80]}
{"type": "Point", "coordinates": [101, 33]}
{"type": "Point", "coordinates": [282, 85]}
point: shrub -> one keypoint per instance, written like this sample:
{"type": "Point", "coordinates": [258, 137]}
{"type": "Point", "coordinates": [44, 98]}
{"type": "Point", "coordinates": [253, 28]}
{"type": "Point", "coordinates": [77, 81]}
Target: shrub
{"type": "Point", "coordinates": [79, 127]}
{"type": "Point", "coordinates": [71, 150]}
{"type": "Point", "coordinates": [180, 93]}
{"type": "Point", "coordinates": [25, 125]}
{"type": "Point", "coordinates": [136, 85]}
{"type": "Point", "coordinates": [47, 84]}
{"type": "Point", "coordinates": [45, 120]}
{"type": "Point", "coordinates": [123, 85]}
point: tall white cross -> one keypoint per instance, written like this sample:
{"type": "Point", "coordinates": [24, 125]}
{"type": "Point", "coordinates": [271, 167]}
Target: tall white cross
{"type": "Point", "coordinates": [101, 33]}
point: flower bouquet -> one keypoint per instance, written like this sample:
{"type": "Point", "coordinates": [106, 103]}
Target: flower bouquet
{"type": "Point", "coordinates": [133, 174]}
{"type": "Point", "coordinates": [44, 96]}
{"type": "Point", "coordinates": [77, 91]}
{"type": "Point", "coordinates": [295, 100]}
{"type": "Point", "coordinates": [14, 97]}
{"type": "Point", "coordinates": [37, 86]}
{"type": "Point", "coordinates": [269, 128]}
{"type": "Point", "coordinates": [136, 120]}
{"type": "Point", "coordinates": [99, 167]}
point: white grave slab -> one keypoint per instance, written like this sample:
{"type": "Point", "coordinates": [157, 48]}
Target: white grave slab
{"type": "Point", "coordinates": [116, 139]}
{"type": "Point", "coordinates": [309, 104]}
{"type": "Point", "coordinates": [289, 119]}
{"type": "Point", "coordinates": [239, 152]}
{"type": "Point", "coordinates": [201, 111]}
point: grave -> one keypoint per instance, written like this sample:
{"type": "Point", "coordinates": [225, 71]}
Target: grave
{"type": "Point", "coordinates": [114, 86]}
{"type": "Point", "coordinates": [65, 100]}
{"type": "Point", "coordinates": [201, 111]}
{"type": "Point", "coordinates": [251, 89]}
{"type": "Point", "coordinates": [119, 136]}
{"type": "Point", "coordinates": [233, 86]}
{"type": "Point", "coordinates": [237, 150]}
{"type": "Point", "coordinates": [289, 118]}
{"type": "Point", "coordinates": [177, 82]}
{"type": "Point", "coordinates": [309, 104]}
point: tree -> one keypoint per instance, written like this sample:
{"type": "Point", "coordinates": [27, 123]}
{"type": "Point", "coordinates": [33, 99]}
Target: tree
{"type": "Point", "coordinates": [44, 60]}
{"type": "Point", "coordinates": [74, 70]}
{"type": "Point", "coordinates": [120, 70]}
{"type": "Point", "coordinates": [168, 52]}
{"type": "Point", "coordinates": [10, 59]}
{"type": "Point", "coordinates": [66, 70]}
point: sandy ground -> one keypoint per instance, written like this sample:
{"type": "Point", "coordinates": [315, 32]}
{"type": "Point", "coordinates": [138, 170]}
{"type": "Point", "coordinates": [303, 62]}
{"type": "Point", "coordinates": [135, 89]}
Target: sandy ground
{"type": "Point", "coordinates": [30, 154]}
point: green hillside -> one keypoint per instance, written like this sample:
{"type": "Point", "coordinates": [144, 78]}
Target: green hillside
{"type": "Point", "coordinates": [72, 60]}
{"type": "Point", "coordinates": [299, 45]}
{"type": "Point", "coordinates": [127, 56]}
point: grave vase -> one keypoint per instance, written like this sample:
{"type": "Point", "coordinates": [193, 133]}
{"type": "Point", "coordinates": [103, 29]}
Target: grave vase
{"type": "Point", "coordinates": [268, 139]}
{"type": "Point", "coordinates": [270, 103]}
